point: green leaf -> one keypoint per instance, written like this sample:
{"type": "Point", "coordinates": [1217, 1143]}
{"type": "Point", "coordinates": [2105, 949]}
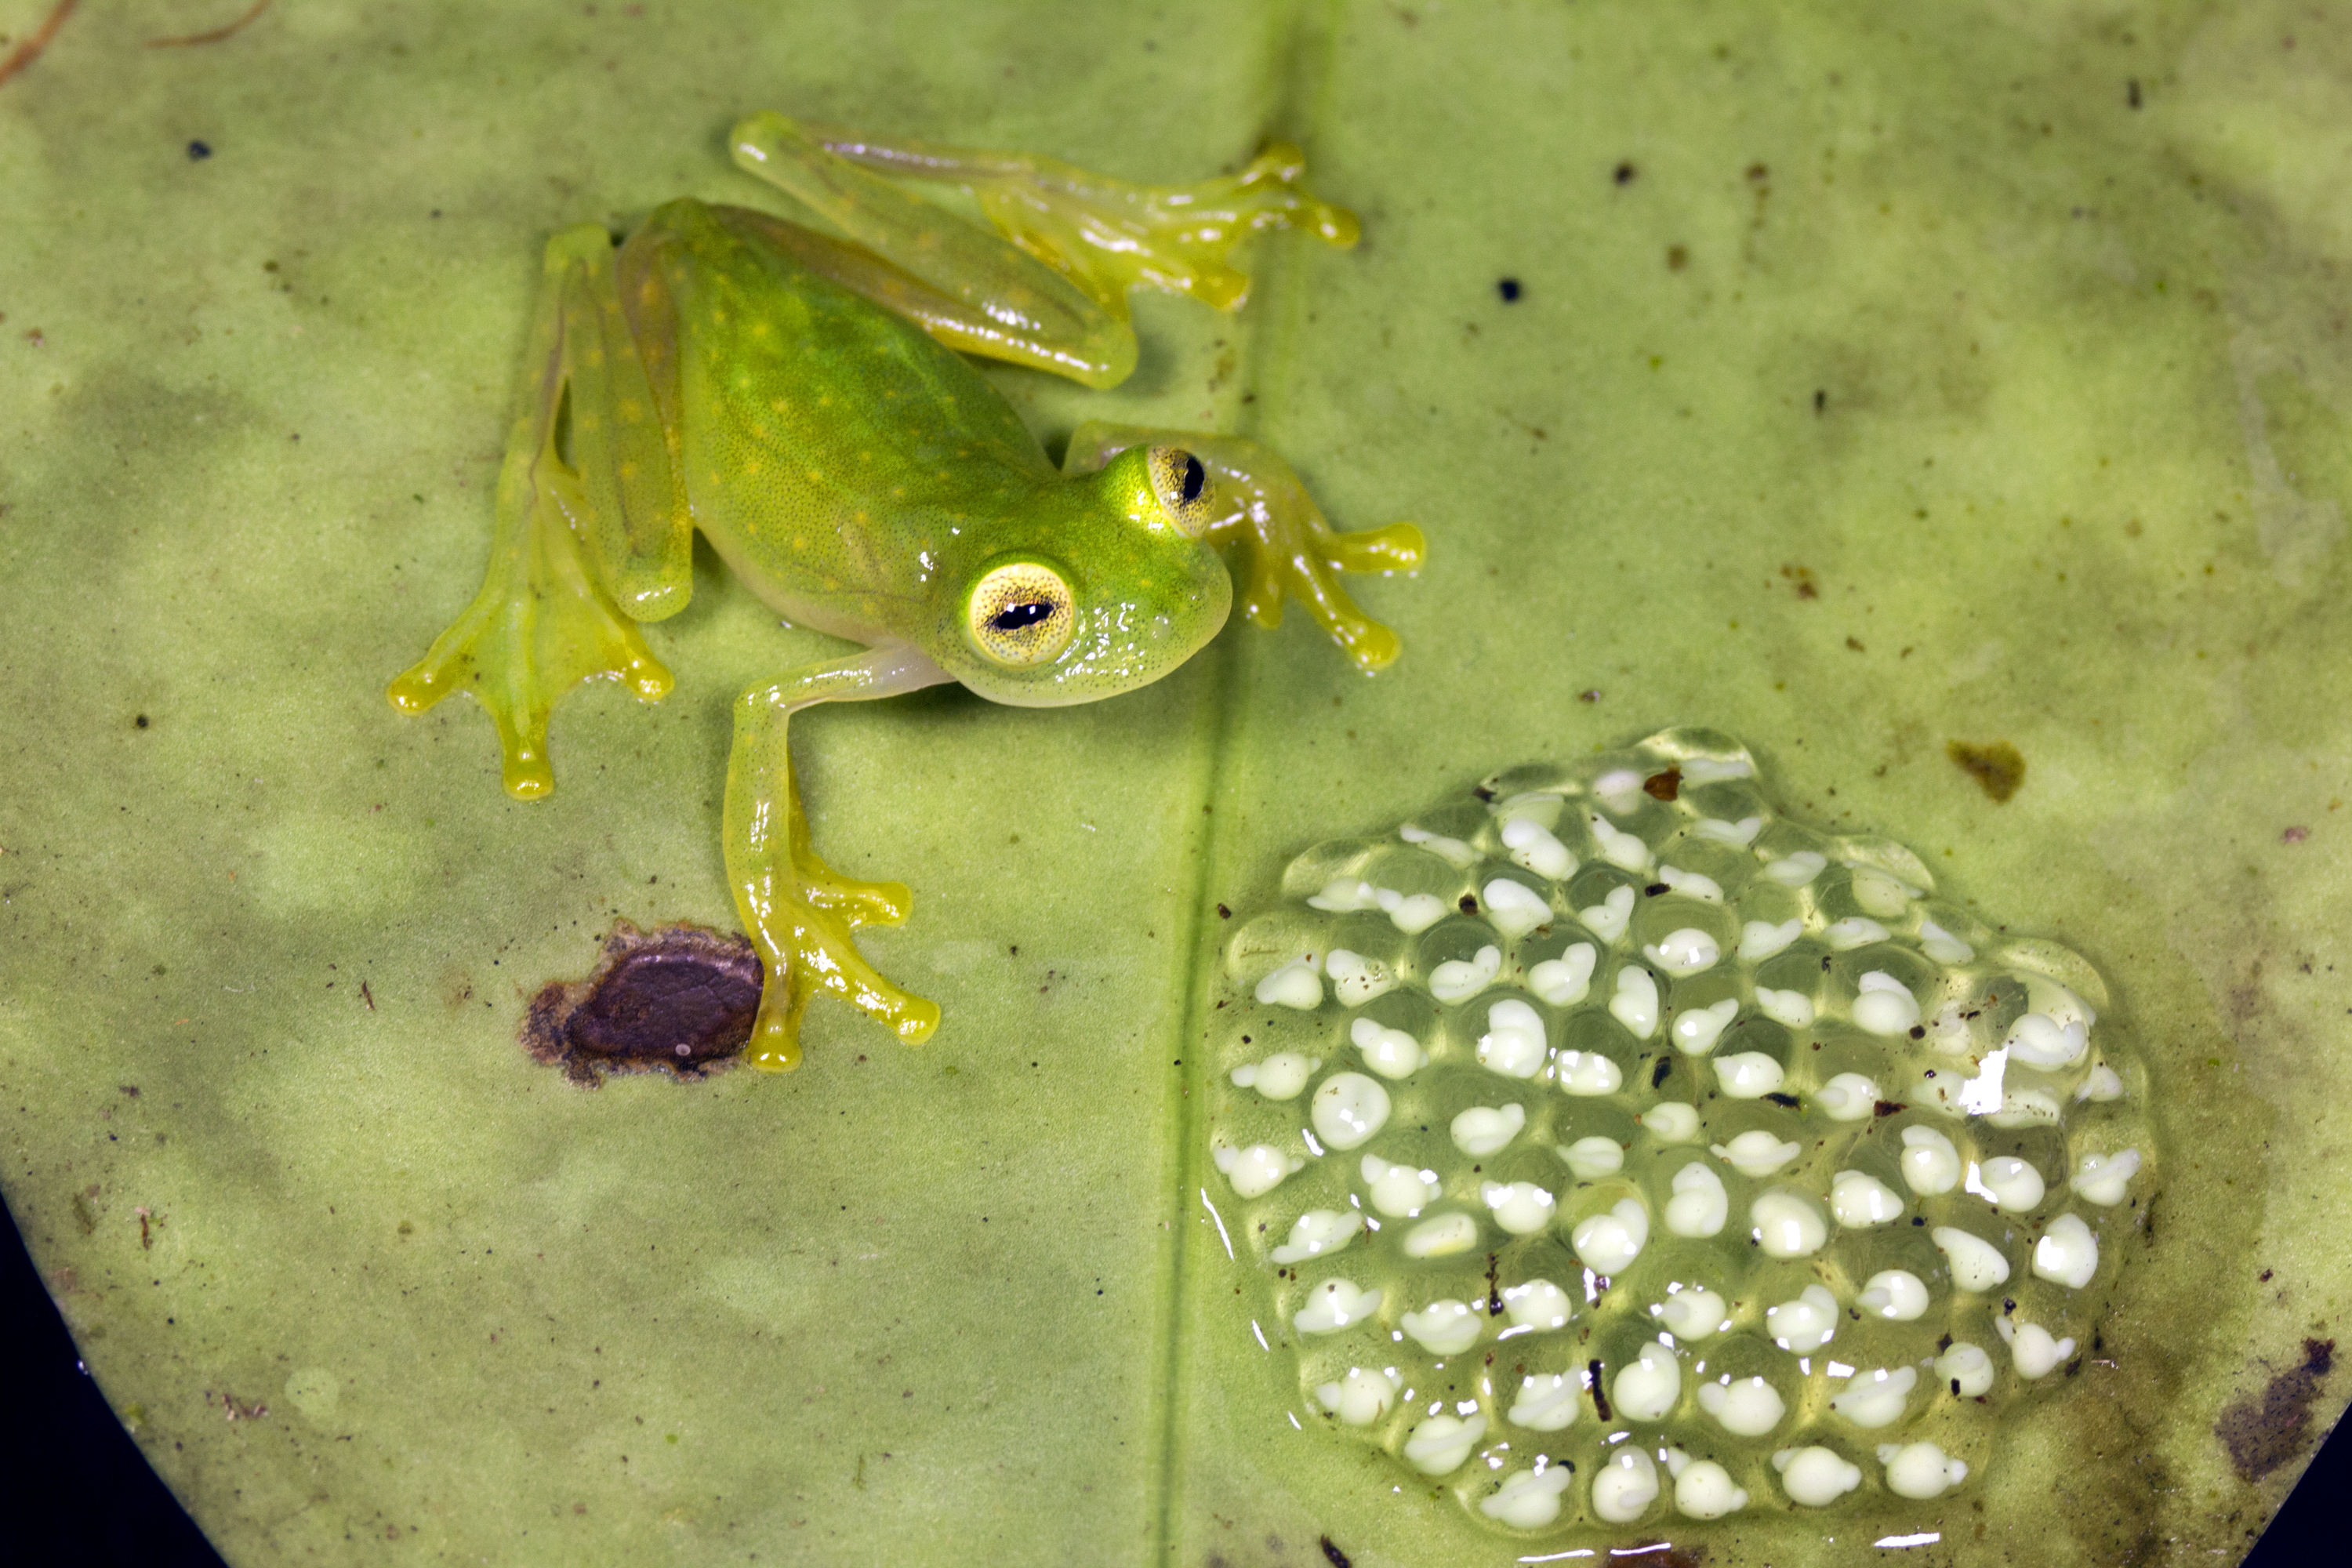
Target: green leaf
{"type": "Point", "coordinates": [1877, 379]}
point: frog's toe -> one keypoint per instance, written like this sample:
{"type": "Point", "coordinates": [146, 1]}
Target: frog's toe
{"type": "Point", "coordinates": [1399, 547]}
{"type": "Point", "coordinates": [859, 903]}
{"type": "Point", "coordinates": [820, 959]}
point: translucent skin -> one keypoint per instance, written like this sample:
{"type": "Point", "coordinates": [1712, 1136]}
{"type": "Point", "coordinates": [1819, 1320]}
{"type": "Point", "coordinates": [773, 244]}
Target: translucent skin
{"type": "Point", "coordinates": [796, 397]}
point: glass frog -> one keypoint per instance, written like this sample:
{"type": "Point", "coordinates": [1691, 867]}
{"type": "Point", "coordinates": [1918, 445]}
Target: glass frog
{"type": "Point", "coordinates": [799, 397]}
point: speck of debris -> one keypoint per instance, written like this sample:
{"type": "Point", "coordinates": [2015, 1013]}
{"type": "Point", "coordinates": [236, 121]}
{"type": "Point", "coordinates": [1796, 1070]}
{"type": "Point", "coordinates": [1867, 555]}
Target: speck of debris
{"type": "Point", "coordinates": [2261, 1434]}
{"type": "Point", "coordinates": [1508, 288]}
{"type": "Point", "coordinates": [2292, 836]}
{"type": "Point", "coordinates": [678, 999]}
{"type": "Point", "coordinates": [1336, 1558]}
{"type": "Point", "coordinates": [1996, 765]}
{"type": "Point", "coordinates": [1224, 914]}
{"type": "Point", "coordinates": [1667, 785]}
{"type": "Point", "coordinates": [1591, 696]}
{"type": "Point", "coordinates": [199, 151]}
{"type": "Point", "coordinates": [1624, 175]}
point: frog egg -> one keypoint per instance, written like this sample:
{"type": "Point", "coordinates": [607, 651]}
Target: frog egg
{"type": "Point", "coordinates": [1529, 1500]}
{"type": "Point", "coordinates": [1607, 919]}
{"type": "Point", "coordinates": [1685, 952]}
{"type": "Point", "coordinates": [1896, 1294]}
{"type": "Point", "coordinates": [1548, 1402]}
{"type": "Point", "coordinates": [1793, 1008]}
{"type": "Point", "coordinates": [1798, 869]}
{"type": "Point", "coordinates": [1610, 1241]}
{"type": "Point", "coordinates": [1620, 849]}
{"type": "Point", "coordinates": [1848, 1097]}
{"type": "Point", "coordinates": [1845, 935]}
{"type": "Point", "coordinates": [1741, 833]}
{"type": "Point", "coordinates": [1691, 1312]}
{"type": "Point", "coordinates": [1976, 1264]}
{"type": "Point", "coordinates": [1786, 1226]}
{"type": "Point", "coordinates": [1256, 1170]}
{"type": "Point", "coordinates": [1391, 1053]}
{"type": "Point", "coordinates": [1884, 1006]}
{"type": "Point", "coordinates": [1950, 1031]}
{"type": "Point", "coordinates": [1747, 1075]}
{"type": "Point", "coordinates": [1514, 1043]}
{"type": "Point", "coordinates": [1671, 1122]}
{"type": "Point", "coordinates": [1625, 1486]}
{"type": "Point", "coordinates": [1704, 1489]}
{"type": "Point", "coordinates": [1880, 894]}
{"type": "Point", "coordinates": [1692, 885]}
{"type": "Point", "coordinates": [1942, 945]}
{"type": "Point", "coordinates": [1648, 1386]}
{"type": "Point", "coordinates": [1697, 1029]}
{"type": "Point", "coordinates": [2007, 1183]}
{"type": "Point", "coordinates": [1484, 1129]}
{"type": "Point", "coordinates": [1859, 1199]}
{"type": "Point", "coordinates": [2031, 1349]}
{"type": "Point", "coordinates": [1443, 1328]}
{"type": "Point", "coordinates": [2067, 1254]}
{"type": "Point", "coordinates": [1756, 1153]}
{"type": "Point", "coordinates": [1513, 908]}
{"type": "Point", "coordinates": [1399, 1191]}
{"type": "Point", "coordinates": [1588, 1074]}
{"type": "Point", "coordinates": [1362, 1397]}
{"type": "Point", "coordinates": [1348, 1110]}
{"type": "Point", "coordinates": [1415, 913]}
{"type": "Point", "coordinates": [2037, 1041]}
{"type": "Point", "coordinates": [1459, 977]}
{"type": "Point", "coordinates": [1318, 1231]}
{"type": "Point", "coordinates": [1531, 845]}
{"type": "Point", "coordinates": [1814, 1476]}
{"type": "Point", "coordinates": [1452, 851]}
{"type": "Point", "coordinates": [1761, 939]}
{"type": "Point", "coordinates": [1440, 1444]}
{"type": "Point", "coordinates": [1591, 1159]}
{"type": "Point", "coordinates": [1520, 1208]}
{"type": "Point", "coordinates": [1333, 1305]}
{"type": "Point", "coordinates": [1804, 1324]}
{"type": "Point", "coordinates": [2102, 1085]}
{"type": "Point", "coordinates": [1441, 1237]}
{"type": "Point", "coordinates": [1876, 1398]}
{"type": "Point", "coordinates": [1930, 1165]}
{"type": "Point", "coordinates": [1699, 1207]}
{"type": "Point", "coordinates": [1745, 1407]}
{"type": "Point", "coordinates": [1294, 985]}
{"type": "Point", "coordinates": [1345, 895]}
{"type": "Point", "coordinates": [1279, 1075]}
{"type": "Point", "coordinates": [1567, 978]}
{"type": "Point", "coordinates": [1921, 1470]}
{"type": "Point", "coordinates": [1537, 1305]}
{"type": "Point", "coordinates": [1355, 979]}
{"type": "Point", "coordinates": [1966, 1370]}
{"type": "Point", "coordinates": [1635, 1005]}
{"type": "Point", "coordinates": [2100, 1178]}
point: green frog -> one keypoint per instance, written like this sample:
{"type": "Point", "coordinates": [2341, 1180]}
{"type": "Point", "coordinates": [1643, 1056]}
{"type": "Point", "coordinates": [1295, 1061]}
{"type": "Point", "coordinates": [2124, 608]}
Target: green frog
{"type": "Point", "coordinates": [802, 399]}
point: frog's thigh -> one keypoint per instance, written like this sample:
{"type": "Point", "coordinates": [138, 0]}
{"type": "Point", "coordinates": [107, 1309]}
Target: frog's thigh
{"type": "Point", "coordinates": [798, 911]}
{"type": "Point", "coordinates": [972, 289]}
{"type": "Point", "coordinates": [1281, 544]}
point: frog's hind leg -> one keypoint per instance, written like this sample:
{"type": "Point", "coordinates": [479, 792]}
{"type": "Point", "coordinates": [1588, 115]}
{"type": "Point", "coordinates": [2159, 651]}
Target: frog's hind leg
{"type": "Point", "coordinates": [799, 910]}
{"type": "Point", "coordinates": [1277, 542]}
{"type": "Point", "coordinates": [544, 619]}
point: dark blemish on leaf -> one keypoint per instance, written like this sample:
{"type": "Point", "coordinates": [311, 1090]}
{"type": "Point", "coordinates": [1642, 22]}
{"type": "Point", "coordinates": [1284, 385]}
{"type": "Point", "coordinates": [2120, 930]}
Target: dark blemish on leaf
{"type": "Point", "coordinates": [198, 151]}
{"type": "Point", "coordinates": [1625, 173]}
{"type": "Point", "coordinates": [192, 40]}
{"type": "Point", "coordinates": [1997, 766]}
{"type": "Point", "coordinates": [1664, 786]}
{"type": "Point", "coordinates": [1889, 1107]}
{"type": "Point", "coordinates": [1801, 577]}
{"type": "Point", "coordinates": [1591, 696]}
{"type": "Point", "coordinates": [1918, 1031]}
{"type": "Point", "coordinates": [1508, 288]}
{"type": "Point", "coordinates": [2292, 836]}
{"type": "Point", "coordinates": [2131, 92]}
{"type": "Point", "coordinates": [1600, 1397]}
{"type": "Point", "coordinates": [1856, 644]}
{"type": "Point", "coordinates": [1494, 1285]}
{"type": "Point", "coordinates": [1336, 1558]}
{"type": "Point", "coordinates": [130, 1088]}
{"type": "Point", "coordinates": [1821, 402]}
{"type": "Point", "coordinates": [1483, 793]}
{"type": "Point", "coordinates": [1786, 1101]}
{"type": "Point", "coordinates": [2265, 1433]}
{"type": "Point", "coordinates": [1659, 1074]}
{"type": "Point", "coordinates": [141, 721]}
{"type": "Point", "coordinates": [1655, 888]}
{"type": "Point", "coordinates": [28, 51]}
{"type": "Point", "coordinates": [1677, 258]}
{"type": "Point", "coordinates": [367, 995]}
{"type": "Point", "coordinates": [1469, 903]}
{"type": "Point", "coordinates": [677, 999]}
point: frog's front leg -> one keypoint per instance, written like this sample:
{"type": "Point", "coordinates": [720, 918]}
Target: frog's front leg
{"type": "Point", "coordinates": [1280, 545]}
{"type": "Point", "coordinates": [799, 910]}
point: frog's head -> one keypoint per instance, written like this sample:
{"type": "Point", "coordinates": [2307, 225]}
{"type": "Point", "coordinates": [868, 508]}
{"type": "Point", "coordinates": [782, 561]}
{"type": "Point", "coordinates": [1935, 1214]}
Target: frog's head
{"type": "Point", "coordinates": [1119, 589]}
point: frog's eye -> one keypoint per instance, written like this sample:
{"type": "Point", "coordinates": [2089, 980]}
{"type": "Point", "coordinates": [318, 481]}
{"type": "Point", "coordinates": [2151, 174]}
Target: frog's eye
{"type": "Point", "coordinates": [1182, 481]}
{"type": "Point", "coordinates": [1020, 614]}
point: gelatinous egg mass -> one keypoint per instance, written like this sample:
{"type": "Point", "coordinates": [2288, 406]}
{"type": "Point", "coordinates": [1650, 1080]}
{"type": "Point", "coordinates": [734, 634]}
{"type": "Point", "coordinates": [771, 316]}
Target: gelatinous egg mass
{"type": "Point", "coordinates": [1616, 1151]}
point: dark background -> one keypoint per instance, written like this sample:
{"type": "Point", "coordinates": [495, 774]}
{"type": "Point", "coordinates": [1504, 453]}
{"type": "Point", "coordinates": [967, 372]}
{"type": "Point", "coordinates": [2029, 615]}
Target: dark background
{"type": "Point", "coordinates": [76, 1490]}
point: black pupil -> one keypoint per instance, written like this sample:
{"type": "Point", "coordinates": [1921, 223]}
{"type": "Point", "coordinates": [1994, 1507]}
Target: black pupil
{"type": "Point", "coordinates": [1012, 617]}
{"type": "Point", "coordinates": [1195, 477]}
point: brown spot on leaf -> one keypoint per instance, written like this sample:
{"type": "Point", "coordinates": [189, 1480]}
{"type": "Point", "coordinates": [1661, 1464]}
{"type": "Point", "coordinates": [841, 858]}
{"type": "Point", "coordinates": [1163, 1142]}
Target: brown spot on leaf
{"type": "Point", "coordinates": [2265, 1433]}
{"type": "Point", "coordinates": [677, 999]}
{"type": "Point", "coordinates": [1996, 765]}
{"type": "Point", "coordinates": [1665, 786]}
